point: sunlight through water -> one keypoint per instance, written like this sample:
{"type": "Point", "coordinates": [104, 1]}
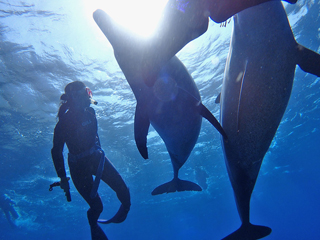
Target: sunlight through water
{"type": "Point", "coordinates": [140, 16]}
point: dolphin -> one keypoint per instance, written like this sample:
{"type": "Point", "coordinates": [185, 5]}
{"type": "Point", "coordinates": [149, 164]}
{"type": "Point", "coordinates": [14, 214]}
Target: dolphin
{"type": "Point", "coordinates": [255, 92]}
{"type": "Point", "coordinates": [172, 105]}
{"type": "Point", "coordinates": [182, 21]}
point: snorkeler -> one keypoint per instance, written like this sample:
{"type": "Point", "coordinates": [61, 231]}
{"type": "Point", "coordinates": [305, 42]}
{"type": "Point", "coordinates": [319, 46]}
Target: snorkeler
{"type": "Point", "coordinates": [6, 205]}
{"type": "Point", "coordinates": [77, 128]}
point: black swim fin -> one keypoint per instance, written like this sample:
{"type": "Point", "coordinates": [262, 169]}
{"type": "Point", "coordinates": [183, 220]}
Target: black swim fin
{"type": "Point", "coordinates": [249, 232]}
{"type": "Point", "coordinates": [120, 216]}
{"type": "Point", "coordinates": [176, 185]}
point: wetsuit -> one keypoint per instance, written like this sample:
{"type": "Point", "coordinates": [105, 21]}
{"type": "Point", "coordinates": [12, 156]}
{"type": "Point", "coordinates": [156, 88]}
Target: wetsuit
{"type": "Point", "coordinates": [78, 130]}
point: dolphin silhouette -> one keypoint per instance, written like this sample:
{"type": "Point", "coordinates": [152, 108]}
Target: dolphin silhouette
{"type": "Point", "coordinates": [172, 105]}
{"type": "Point", "coordinates": [256, 89]}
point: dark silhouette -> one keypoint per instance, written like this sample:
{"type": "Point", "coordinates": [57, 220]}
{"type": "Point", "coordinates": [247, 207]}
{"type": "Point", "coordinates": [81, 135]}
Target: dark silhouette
{"type": "Point", "coordinates": [6, 205]}
{"type": "Point", "coordinates": [255, 92]}
{"type": "Point", "coordinates": [77, 128]}
{"type": "Point", "coordinates": [172, 106]}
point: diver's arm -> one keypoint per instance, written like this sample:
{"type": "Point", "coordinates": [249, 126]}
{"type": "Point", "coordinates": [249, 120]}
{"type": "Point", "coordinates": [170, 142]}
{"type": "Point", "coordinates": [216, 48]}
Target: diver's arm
{"type": "Point", "coordinates": [57, 151]}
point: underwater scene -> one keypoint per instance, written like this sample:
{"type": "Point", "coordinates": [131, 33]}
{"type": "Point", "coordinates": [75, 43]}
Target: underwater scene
{"type": "Point", "coordinates": [45, 45]}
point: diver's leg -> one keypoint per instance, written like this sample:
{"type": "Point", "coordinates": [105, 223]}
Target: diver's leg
{"type": "Point", "coordinates": [96, 231]}
{"type": "Point", "coordinates": [83, 181]}
{"type": "Point", "coordinates": [13, 212]}
{"type": "Point", "coordinates": [8, 216]}
{"type": "Point", "coordinates": [221, 10]}
{"type": "Point", "coordinates": [111, 177]}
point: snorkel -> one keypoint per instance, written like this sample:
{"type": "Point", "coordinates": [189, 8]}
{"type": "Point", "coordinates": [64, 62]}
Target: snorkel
{"type": "Point", "coordinates": [89, 92]}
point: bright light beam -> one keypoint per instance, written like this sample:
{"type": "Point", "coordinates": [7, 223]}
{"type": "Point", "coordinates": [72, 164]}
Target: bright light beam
{"type": "Point", "coordinates": [140, 16]}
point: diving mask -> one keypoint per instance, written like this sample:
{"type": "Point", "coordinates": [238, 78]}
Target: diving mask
{"type": "Point", "coordinates": [81, 93]}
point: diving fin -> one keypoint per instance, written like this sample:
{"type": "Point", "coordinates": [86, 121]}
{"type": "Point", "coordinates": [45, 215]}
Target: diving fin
{"type": "Point", "coordinates": [120, 216]}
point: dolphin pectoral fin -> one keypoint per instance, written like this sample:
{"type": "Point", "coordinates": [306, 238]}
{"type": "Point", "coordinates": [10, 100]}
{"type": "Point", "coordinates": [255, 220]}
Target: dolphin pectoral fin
{"type": "Point", "coordinates": [249, 232]}
{"type": "Point", "coordinates": [204, 112]}
{"type": "Point", "coordinates": [308, 60]}
{"type": "Point", "coordinates": [176, 185]}
{"type": "Point", "coordinates": [141, 128]}
{"type": "Point", "coordinates": [218, 98]}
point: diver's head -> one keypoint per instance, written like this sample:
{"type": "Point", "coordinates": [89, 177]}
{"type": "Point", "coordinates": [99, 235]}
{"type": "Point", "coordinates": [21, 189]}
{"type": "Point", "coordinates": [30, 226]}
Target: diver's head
{"type": "Point", "coordinates": [77, 95]}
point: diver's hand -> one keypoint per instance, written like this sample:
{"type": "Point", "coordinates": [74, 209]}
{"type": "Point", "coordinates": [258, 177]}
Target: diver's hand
{"type": "Point", "coordinates": [64, 184]}
{"type": "Point", "coordinates": [120, 216]}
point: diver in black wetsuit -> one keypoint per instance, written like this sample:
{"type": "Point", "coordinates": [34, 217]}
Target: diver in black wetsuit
{"type": "Point", "coordinates": [77, 128]}
{"type": "Point", "coordinates": [6, 205]}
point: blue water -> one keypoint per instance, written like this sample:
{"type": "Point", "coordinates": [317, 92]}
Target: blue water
{"type": "Point", "coordinates": [44, 46]}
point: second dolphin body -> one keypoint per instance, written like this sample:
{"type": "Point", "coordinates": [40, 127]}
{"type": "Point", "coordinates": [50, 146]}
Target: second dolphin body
{"type": "Point", "coordinates": [256, 89]}
{"type": "Point", "coordinates": [173, 105]}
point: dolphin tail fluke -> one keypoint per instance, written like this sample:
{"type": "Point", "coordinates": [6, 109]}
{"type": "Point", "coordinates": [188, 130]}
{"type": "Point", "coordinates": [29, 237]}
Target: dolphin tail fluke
{"type": "Point", "coordinates": [176, 185]}
{"type": "Point", "coordinates": [249, 232]}
{"type": "Point", "coordinates": [308, 60]}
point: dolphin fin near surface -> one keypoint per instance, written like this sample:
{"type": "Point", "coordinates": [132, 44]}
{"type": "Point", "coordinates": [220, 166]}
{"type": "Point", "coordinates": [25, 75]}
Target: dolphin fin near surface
{"type": "Point", "coordinates": [308, 60]}
{"type": "Point", "coordinates": [176, 185]}
{"type": "Point", "coordinates": [249, 232]}
{"type": "Point", "coordinates": [141, 128]}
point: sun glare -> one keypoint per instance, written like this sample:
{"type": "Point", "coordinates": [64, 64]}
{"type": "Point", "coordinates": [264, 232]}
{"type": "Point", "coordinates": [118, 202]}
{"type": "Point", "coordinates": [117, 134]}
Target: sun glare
{"type": "Point", "coordinates": [140, 16]}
